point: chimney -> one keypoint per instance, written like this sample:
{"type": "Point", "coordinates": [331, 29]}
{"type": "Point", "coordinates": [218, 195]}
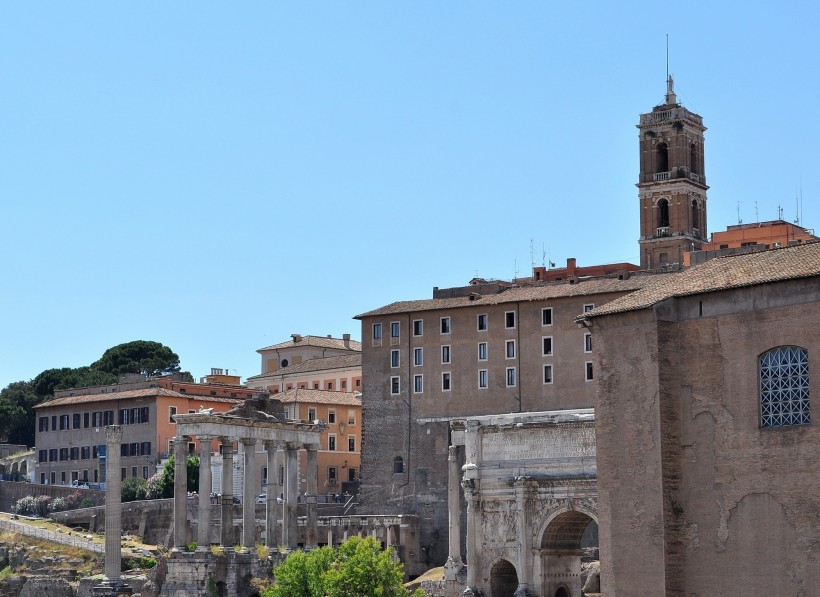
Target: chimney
{"type": "Point", "coordinates": [346, 340]}
{"type": "Point", "coordinates": [296, 337]}
{"type": "Point", "coordinates": [571, 267]}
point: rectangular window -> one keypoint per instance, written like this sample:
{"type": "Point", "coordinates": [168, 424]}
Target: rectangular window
{"type": "Point", "coordinates": [377, 331]}
{"type": "Point", "coordinates": [445, 382]}
{"type": "Point", "coordinates": [588, 371]}
{"type": "Point", "coordinates": [482, 379]}
{"type": "Point", "coordinates": [395, 385]}
{"type": "Point", "coordinates": [445, 354]}
{"type": "Point", "coordinates": [86, 420]}
{"type": "Point", "coordinates": [125, 417]}
{"type": "Point", "coordinates": [331, 442]}
{"type": "Point", "coordinates": [172, 411]}
{"type": "Point", "coordinates": [351, 443]}
{"type": "Point", "coordinates": [445, 325]}
{"type": "Point", "coordinates": [63, 454]}
{"type": "Point", "coordinates": [311, 414]}
{"type": "Point", "coordinates": [510, 377]}
{"type": "Point", "coordinates": [52, 455]}
{"type": "Point", "coordinates": [587, 342]}
{"type": "Point", "coordinates": [96, 419]}
{"type": "Point", "coordinates": [54, 422]}
{"type": "Point", "coordinates": [482, 322]}
{"type": "Point", "coordinates": [509, 319]}
{"type": "Point", "coordinates": [546, 316]}
{"type": "Point", "coordinates": [546, 346]}
{"type": "Point", "coordinates": [418, 384]}
{"type": "Point", "coordinates": [316, 385]}
{"type": "Point", "coordinates": [331, 475]}
{"type": "Point", "coordinates": [74, 454]}
{"type": "Point", "coordinates": [482, 351]}
{"type": "Point", "coordinates": [76, 421]}
{"type": "Point", "coordinates": [94, 452]}
{"type": "Point", "coordinates": [351, 417]}
{"type": "Point", "coordinates": [589, 307]}
{"type": "Point", "coordinates": [418, 327]}
{"type": "Point", "coordinates": [43, 424]}
{"type": "Point", "coordinates": [42, 456]}
{"type": "Point", "coordinates": [145, 472]}
{"type": "Point", "coordinates": [547, 373]}
{"type": "Point", "coordinates": [63, 422]}
{"type": "Point", "coordinates": [85, 453]}
{"type": "Point", "coordinates": [108, 418]}
{"type": "Point", "coordinates": [123, 471]}
{"type": "Point", "coordinates": [395, 329]}
{"type": "Point", "coordinates": [145, 449]}
{"type": "Point", "coordinates": [418, 357]}
{"type": "Point", "coordinates": [394, 359]}
{"type": "Point", "coordinates": [123, 449]}
{"type": "Point", "coordinates": [510, 349]}
{"type": "Point", "coordinates": [331, 416]}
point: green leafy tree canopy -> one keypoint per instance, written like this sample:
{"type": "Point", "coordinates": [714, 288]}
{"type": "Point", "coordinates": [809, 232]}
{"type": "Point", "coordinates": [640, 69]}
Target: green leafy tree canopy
{"type": "Point", "coordinates": [139, 356]}
{"type": "Point", "coordinates": [165, 486]}
{"type": "Point", "coordinates": [357, 567]}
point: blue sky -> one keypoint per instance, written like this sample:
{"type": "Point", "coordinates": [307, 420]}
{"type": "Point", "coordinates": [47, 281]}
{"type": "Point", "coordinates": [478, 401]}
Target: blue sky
{"type": "Point", "coordinates": [216, 177]}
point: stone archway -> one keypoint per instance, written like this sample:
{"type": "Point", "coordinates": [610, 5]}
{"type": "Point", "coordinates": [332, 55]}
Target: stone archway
{"type": "Point", "coordinates": [503, 579]}
{"type": "Point", "coordinates": [562, 546]}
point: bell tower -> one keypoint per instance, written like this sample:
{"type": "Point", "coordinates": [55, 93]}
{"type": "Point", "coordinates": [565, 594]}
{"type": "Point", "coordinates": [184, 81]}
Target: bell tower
{"type": "Point", "coordinates": [672, 183]}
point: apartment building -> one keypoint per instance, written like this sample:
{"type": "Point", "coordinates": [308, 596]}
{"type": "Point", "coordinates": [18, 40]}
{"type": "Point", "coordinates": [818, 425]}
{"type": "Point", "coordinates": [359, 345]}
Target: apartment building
{"type": "Point", "coordinates": [70, 435]}
{"type": "Point", "coordinates": [487, 348]}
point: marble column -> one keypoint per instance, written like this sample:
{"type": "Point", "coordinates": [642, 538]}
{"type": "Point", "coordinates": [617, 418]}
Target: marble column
{"type": "Point", "coordinates": [180, 492]}
{"type": "Point", "coordinates": [226, 534]}
{"type": "Point", "coordinates": [454, 562]}
{"type": "Point", "coordinates": [311, 530]}
{"type": "Point", "coordinates": [273, 491]}
{"type": "Point", "coordinates": [330, 537]}
{"type": "Point", "coordinates": [112, 584]}
{"type": "Point", "coordinates": [289, 524]}
{"type": "Point", "coordinates": [524, 543]}
{"type": "Point", "coordinates": [203, 538]}
{"type": "Point", "coordinates": [471, 493]}
{"type": "Point", "coordinates": [249, 495]}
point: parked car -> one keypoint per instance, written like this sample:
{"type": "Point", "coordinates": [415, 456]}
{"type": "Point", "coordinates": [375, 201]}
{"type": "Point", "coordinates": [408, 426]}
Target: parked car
{"type": "Point", "coordinates": [79, 484]}
{"type": "Point", "coordinates": [261, 498]}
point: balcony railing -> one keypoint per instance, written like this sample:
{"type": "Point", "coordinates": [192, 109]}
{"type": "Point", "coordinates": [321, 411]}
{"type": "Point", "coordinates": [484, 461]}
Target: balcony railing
{"type": "Point", "coordinates": [679, 172]}
{"type": "Point", "coordinates": [661, 176]}
{"type": "Point", "coordinates": [662, 231]}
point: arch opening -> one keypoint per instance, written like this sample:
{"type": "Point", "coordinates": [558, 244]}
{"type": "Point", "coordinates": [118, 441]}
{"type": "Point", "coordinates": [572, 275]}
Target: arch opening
{"type": "Point", "coordinates": [503, 579]}
{"type": "Point", "coordinates": [569, 546]}
{"type": "Point", "coordinates": [663, 213]}
{"type": "Point", "coordinates": [662, 158]}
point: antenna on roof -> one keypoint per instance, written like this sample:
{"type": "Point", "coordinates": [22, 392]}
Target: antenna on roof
{"type": "Point", "coordinates": [757, 216]}
{"type": "Point", "coordinates": [532, 255]}
{"type": "Point", "coordinates": [739, 219]}
{"type": "Point", "coordinates": [779, 212]}
{"type": "Point", "coordinates": [543, 255]}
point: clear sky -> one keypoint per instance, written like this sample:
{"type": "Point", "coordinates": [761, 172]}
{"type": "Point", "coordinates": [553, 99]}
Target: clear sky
{"type": "Point", "coordinates": [217, 176]}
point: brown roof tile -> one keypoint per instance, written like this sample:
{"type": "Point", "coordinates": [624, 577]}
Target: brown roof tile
{"type": "Point", "coordinates": [130, 394]}
{"type": "Point", "coordinates": [733, 271]}
{"type": "Point", "coordinates": [342, 361]}
{"type": "Point", "coordinates": [317, 397]}
{"type": "Point", "coordinates": [318, 342]}
{"type": "Point", "coordinates": [534, 292]}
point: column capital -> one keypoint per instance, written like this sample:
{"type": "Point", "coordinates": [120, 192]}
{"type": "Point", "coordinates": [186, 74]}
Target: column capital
{"type": "Point", "coordinates": [113, 433]}
{"type": "Point", "coordinates": [247, 441]}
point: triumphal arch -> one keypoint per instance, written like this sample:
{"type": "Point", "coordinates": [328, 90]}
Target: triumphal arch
{"type": "Point", "coordinates": [529, 482]}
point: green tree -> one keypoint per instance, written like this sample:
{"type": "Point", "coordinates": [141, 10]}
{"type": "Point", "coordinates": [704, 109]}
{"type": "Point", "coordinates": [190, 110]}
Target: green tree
{"type": "Point", "coordinates": [358, 567]}
{"type": "Point", "coordinates": [166, 481]}
{"type": "Point", "coordinates": [133, 488]}
{"type": "Point", "coordinates": [139, 356]}
{"type": "Point", "coordinates": [17, 401]}
{"type": "Point", "coordinates": [67, 377]}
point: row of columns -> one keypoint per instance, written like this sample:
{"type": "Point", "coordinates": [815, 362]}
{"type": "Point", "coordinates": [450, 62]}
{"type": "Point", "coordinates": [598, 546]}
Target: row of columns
{"type": "Point", "coordinates": [274, 536]}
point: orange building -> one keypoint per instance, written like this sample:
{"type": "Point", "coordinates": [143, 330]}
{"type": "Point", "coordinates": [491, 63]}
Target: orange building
{"type": "Point", "coordinates": [750, 237]}
{"type": "Point", "coordinates": [340, 455]}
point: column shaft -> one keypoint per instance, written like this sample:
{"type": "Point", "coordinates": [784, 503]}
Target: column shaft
{"type": "Point", "coordinates": [289, 524]}
{"type": "Point", "coordinates": [113, 498]}
{"type": "Point", "coordinates": [454, 504]}
{"type": "Point", "coordinates": [311, 538]}
{"type": "Point", "coordinates": [205, 480]}
{"type": "Point", "coordinates": [180, 491]}
{"type": "Point", "coordinates": [249, 496]}
{"type": "Point", "coordinates": [226, 534]}
{"type": "Point", "coordinates": [273, 491]}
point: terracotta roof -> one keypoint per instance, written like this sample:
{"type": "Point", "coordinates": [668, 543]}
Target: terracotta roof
{"type": "Point", "coordinates": [131, 394]}
{"type": "Point", "coordinates": [342, 361]}
{"type": "Point", "coordinates": [534, 292]}
{"type": "Point", "coordinates": [318, 342]}
{"type": "Point", "coordinates": [317, 397]}
{"type": "Point", "coordinates": [722, 273]}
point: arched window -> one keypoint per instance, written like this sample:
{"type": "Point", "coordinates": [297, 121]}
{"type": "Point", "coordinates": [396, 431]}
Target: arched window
{"type": "Point", "coordinates": [663, 213]}
{"type": "Point", "coordinates": [663, 158]}
{"type": "Point", "coordinates": [695, 215]}
{"type": "Point", "coordinates": [398, 465]}
{"type": "Point", "coordinates": [784, 387]}
{"type": "Point", "coordinates": [693, 159]}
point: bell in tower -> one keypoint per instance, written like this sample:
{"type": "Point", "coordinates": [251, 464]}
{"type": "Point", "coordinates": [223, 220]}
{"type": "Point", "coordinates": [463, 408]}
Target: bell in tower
{"type": "Point", "coordinates": [672, 183]}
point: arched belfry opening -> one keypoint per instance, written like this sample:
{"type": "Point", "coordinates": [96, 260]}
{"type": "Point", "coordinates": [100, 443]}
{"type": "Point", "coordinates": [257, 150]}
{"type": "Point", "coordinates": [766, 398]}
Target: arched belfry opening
{"type": "Point", "coordinates": [695, 218]}
{"type": "Point", "coordinates": [663, 215]}
{"type": "Point", "coordinates": [569, 537]}
{"type": "Point", "coordinates": [662, 158]}
{"type": "Point", "coordinates": [503, 579]}
{"type": "Point", "coordinates": [693, 159]}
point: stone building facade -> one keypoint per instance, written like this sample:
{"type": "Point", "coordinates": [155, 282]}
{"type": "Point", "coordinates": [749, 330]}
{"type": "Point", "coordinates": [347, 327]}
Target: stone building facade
{"type": "Point", "coordinates": [473, 351]}
{"type": "Point", "coordinates": [705, 442]}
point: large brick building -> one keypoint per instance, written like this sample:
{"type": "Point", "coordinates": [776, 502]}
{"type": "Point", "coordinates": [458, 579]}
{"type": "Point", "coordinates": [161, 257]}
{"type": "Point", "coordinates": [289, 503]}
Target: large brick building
{"type": "Point", "coordinates": [707, 475]}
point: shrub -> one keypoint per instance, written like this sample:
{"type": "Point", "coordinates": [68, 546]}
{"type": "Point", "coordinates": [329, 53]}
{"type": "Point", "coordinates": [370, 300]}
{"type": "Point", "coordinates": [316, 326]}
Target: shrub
{"type": "Point", "coordinates": [42, 505]}
{"type": "Point", "coordinates": [25, 506]}
{"type": "Point", "coordinates": [152, 491]}
{"type": "Point", "coordinates": [134, 488]}
{"type": "Point", "coordinates": [57, 505]}
{"type": "Point", "coordinates": [73, 500]}
{"type": "Point", "coordinates": [87, 502]}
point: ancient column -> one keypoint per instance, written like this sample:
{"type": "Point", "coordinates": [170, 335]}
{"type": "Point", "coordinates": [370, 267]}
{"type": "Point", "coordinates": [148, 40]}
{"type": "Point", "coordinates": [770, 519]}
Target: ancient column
{"type": "Point", "coordinates": [273, 491]}
{"type": "Point", "coordinates": [180, 492]}
{"type": "Point", "coordinates": [249, 495]}
{"type": "Point", "coordinates": [289, 524]}
{"type": "Point", "coordinates": [330, 537]}
{"type": "Point", "coordinates": [226, 535]}
{"type": "Point", "coordinates": [524, 550]}
{"type": "Point", "coordinates": [205, 478]}
{"type": "Point", "coordinates": [454, 563]}
{"type": "Point", "coordinates": [112, 585]}
{"type": "Point", "coordinates": [311, 531]}
{"type": "Point", "coordinates": [471, 493]}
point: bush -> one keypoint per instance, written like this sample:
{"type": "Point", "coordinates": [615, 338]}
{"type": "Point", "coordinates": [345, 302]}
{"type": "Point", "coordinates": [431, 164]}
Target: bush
{"type": "Point", "coordinates": [57, 505]}
{"type": "Point", "coordinates": [152, 491]}
{"type": "Point", "coordinates": [42, 505]}
{"type": "Point", "coordinates": [133, 488]}
{"type": "Point", "coordinates": [357, 567]}
{"type": "Point", "coordinates": [87, 502]}
{"type": "Point", "coordinates": [73, 500]}
{"type": "Point", "coordinates": [25, 506]}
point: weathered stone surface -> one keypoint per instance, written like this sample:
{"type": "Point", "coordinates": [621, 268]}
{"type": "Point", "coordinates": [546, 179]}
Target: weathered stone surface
{"type": "Point", "coordinates": [39, 586]}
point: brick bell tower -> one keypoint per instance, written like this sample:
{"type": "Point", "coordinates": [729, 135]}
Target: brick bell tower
{"type": "Point", "coordinates": [672, 183]}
